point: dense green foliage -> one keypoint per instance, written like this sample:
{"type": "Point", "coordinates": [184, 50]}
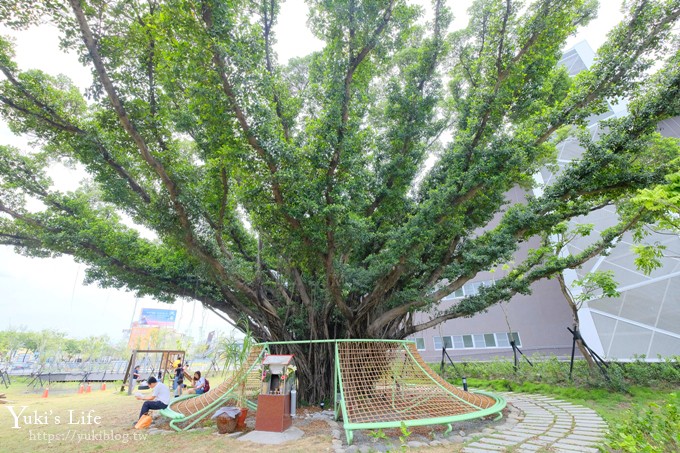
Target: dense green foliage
{"type": "Point", "coordinates": [299, 197]}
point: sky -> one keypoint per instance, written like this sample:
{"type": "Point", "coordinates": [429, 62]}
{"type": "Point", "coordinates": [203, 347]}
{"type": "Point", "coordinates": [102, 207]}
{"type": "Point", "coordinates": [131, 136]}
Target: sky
{"type": "Point", "coordinates": [49, 293]}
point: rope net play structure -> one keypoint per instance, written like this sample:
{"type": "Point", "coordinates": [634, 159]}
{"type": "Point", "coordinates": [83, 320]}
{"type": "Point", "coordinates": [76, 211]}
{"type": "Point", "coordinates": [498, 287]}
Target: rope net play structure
{"type": "Point", "coordinates": [386, 383]}
{"type": "Point", "coordinates": [378, 384]}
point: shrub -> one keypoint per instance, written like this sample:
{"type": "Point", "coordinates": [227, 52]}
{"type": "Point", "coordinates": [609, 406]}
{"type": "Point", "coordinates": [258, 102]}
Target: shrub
{"type": "Point", "coordinates": [654, 429]}
{"type": "Point", "coordinates": [550, 370]}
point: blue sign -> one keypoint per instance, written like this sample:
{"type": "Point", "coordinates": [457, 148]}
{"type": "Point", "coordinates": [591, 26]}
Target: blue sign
{"type": "Point", "coordinates": [157, 317]}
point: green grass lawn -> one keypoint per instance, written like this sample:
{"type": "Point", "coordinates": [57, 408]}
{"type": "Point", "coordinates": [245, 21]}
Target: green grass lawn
{"type": "Point", "coordinates": [65, 422]}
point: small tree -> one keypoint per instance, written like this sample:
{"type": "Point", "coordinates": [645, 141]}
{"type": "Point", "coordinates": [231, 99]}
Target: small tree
{"type": "Point", "coordinates": [72, 348]}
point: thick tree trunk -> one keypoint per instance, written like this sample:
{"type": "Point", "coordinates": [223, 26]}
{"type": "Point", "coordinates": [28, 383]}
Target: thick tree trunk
{"type": "Point", "coordinates": [316, 361]}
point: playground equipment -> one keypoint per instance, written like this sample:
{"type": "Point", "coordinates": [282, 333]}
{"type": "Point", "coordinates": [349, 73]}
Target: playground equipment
{"type": "Point", "coordinates": [243, 386]}
{"type": "Point", "coordinates": [378, 384]}
{"type": "Point", "coordinates": [382, 384]}
{"type": "Point", "coordinates": [141, 357]}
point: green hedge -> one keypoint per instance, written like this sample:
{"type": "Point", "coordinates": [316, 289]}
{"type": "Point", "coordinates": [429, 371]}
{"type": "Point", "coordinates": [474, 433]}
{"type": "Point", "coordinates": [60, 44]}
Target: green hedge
{"type": "Point", "coordinates": [552, 371]}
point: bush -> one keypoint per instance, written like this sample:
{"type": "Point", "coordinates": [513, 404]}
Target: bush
{"type": "Point", "coordinates": [655, 429]}
{"type": "Point", "coordinates": [640, 372]}
{"type": "Point", "coordinates": [551, 371]}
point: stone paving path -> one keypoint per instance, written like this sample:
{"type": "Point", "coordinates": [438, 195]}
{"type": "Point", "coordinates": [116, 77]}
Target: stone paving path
{"type": "Point", "coordinates": [543, 424]}
{"type": "Point", "coordinates": [534, 424]}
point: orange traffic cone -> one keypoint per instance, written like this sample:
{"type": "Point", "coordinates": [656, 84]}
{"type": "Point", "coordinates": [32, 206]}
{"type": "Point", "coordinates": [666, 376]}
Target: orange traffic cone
{"type": "Point", "coordinates": [46, 392]}
{"type": "Point", "coordinates": [89, 388]}
{"type": "Point", "coordinates": [81, 389]}
{"type": "Point", "coordinates": [103, 386]}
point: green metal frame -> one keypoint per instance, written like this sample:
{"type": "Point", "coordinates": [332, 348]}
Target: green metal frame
{"type": "Point", "coordinates": [350, 427]}
{"type": "Point", "coordinates": [339, 398]}
{"type": "Point", "coordinates": [176, 417]}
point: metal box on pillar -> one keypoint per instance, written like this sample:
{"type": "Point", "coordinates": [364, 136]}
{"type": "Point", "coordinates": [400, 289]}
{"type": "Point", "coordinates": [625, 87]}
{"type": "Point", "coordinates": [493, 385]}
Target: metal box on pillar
{"type": "Point", "coordinates": [273, 403]}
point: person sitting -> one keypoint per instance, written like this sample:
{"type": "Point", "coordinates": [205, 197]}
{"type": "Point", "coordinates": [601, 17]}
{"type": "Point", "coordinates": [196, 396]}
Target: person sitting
{"type": "Point", "coordinates": [200, 384]}
{"type": "Point", "coordinates": [159, 399]}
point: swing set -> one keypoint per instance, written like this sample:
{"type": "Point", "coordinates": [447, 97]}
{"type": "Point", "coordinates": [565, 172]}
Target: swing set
{"type": "Point", "coordinates": [163, 359]}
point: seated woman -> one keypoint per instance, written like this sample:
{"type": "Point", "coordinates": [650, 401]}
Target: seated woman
{"type": "Point", "coordinates": [200, 386]}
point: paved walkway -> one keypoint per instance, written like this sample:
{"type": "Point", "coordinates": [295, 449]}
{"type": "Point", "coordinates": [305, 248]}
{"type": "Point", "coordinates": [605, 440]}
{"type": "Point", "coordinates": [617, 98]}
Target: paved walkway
{"type": "Point", "coordinates": [535, 424]}
{"type": "Point", "coordinates": [543, 424]}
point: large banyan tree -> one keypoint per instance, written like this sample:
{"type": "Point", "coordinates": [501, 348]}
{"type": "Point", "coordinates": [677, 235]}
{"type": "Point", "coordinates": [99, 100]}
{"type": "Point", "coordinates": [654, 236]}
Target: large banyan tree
{"type": "Point", "coordinates": [333, 195]}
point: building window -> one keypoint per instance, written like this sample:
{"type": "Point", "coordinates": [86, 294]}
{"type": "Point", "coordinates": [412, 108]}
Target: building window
{"type": "Point", "coordinates": [420, 344]}
{"type": "Point", "coordinates": [476, 341]}
{"type": "Point", "coordinates": [502, 340]}
{"type": "Point", "coordinates": [515, 336]}
{"type": "Point", "coordinates": [479, 341]}
{"type": "Point", "coordinates": [440, 342]}
{"type": "Point", "coordinates": [469, 289]}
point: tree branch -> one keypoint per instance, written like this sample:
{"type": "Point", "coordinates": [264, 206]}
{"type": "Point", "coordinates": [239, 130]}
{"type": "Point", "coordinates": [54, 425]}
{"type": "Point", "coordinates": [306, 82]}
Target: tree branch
{"type": "Point", "coordinates": [243, 121]}
{"type": "Point", "coordinates": [268, 23]}
{"type": "Point", "coordinates": [190, 240]}
{"type": "Point", "coordinates": [525, 274]}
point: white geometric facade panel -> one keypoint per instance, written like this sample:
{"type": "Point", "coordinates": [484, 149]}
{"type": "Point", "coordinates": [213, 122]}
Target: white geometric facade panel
{"type": "Point", "coordinates": [669, 314]}
{"type": "Point", "coordinates": [601, 219]}
{"type": "Point", "coordinates": [592, 263]}
{"type": "Point", "coordinates": [595, 119]}
{"type": "Point", "coordinates": [645, 318]}
{"type": "Point", "coordinates": [609, 305]}
{"type": "Point", "coordinates": [629, 341]}
{"type": "Point", "coordinates": [643, 304]}
{"type": "Point", "coordinates": [648, 306]}
{"type": "Point", "coordinates": [624, 276]}
{"type": "Point", "coordinates": [605, 327]}
{"type": "Point", "coordinates": [569, 150]}
{"type": "Point", "coordinates": [664, 346]}
{"type": "Point", "coordinates": [572, 61]}
{"type": "Point", "coordinates": [670, 127]}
